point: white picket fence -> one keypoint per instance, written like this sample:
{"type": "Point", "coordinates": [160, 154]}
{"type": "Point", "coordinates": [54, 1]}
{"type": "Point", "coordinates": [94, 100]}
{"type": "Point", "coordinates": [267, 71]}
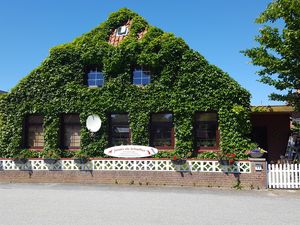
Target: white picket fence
{"type": "Point", "coordinates": [284, 176]}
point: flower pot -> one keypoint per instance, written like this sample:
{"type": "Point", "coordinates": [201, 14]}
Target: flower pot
{"type": "Point", "coordinates": [20, 161]}
{"type": "Point", "coordinates": [50, 161]}
{"type": "Point", "coordinates": [178, 161]}
{"type": "Point", "coordinates": [81, 160]}
{"type": "Point", "coordinates": [256, 153]}
{"type": "Point", "coordinates": [224, 162]}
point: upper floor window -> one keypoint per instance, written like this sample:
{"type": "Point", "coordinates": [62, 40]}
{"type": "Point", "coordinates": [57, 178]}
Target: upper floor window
{"type": "Point", "coordinates": [34, 131]}
{"type": "Point", "coordinates": [162, 131]}
{"type": "Point", "coordinates": [95, 78]}
{"type": "Point", "coordinates": [119, 129]}
{"type": "Point", "coordinates": [70, 131]}
{"type": "Point", "coordinates": [141, 77]}
{"type": "Point", "coordinates": [206, 130]}
{"type": "Point", "coordinates": [122, 30]}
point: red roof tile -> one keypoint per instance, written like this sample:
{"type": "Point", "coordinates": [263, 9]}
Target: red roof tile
{"type": "Point", "coordinates": [115, 40]}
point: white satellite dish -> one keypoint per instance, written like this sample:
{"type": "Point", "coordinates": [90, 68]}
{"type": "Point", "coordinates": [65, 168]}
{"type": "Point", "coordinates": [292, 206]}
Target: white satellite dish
{"type": "Point", "coordinates": [93, 123]}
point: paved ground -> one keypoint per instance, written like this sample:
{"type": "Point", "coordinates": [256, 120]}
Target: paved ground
{"type": "Point", "coordinates": [43, 204]}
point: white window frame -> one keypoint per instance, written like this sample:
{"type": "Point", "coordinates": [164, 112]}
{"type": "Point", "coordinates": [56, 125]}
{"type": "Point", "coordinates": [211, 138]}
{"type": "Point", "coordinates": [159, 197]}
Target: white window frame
{"type": "Point", "coordinates": [122, 34]}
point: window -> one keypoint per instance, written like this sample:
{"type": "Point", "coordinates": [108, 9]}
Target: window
{"type": "Point", "coordinates": [122, 31]}
{"type": "Point", "coordinates": [141, 77]}
{"type": "Point", "coordinates": [70, 131]}
{"type": "Point", "coordinates": [95, 78]}
{"type": "Point", "coordinates": [34, 133]}
{"type": "Point", "coordinates": [206, 130]}
{"type": "Point", "coordinates": [162, 131]}
{"type": "Point", "coordinates": [119, 129]}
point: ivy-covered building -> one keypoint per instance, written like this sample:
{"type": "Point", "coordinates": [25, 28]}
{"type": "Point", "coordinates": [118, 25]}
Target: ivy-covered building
{"type": "Point", "coordinates": [147, 86]}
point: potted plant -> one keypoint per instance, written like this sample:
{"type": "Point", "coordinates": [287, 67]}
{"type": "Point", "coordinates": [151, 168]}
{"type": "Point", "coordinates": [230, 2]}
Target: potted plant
{"type": "Point", "coordinates": [51, 156]}
{"type": "Point", "coordinates": [81, 157]}
{"type": "Point", "coordinates": [226, 159]}
{"type": "Point", "coordinates": [257, 152]}
{"type": "Point", "coordinates": [178, 160]}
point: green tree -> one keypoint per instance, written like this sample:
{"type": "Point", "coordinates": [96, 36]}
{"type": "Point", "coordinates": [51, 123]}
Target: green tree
{"type": "Point", "coordinates": [278, 53]}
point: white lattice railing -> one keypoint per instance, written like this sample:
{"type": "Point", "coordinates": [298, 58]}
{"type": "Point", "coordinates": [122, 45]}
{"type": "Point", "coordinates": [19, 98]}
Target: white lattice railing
{"type": "Point", "coordinates": [128, 165]}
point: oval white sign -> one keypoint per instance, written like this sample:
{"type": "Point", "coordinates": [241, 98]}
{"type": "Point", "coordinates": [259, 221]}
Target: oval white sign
{"type": "Point", "coordinates": [130, 151]}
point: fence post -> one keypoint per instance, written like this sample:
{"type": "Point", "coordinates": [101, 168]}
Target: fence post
{"type": "Point", "coordinates": [259, 170]}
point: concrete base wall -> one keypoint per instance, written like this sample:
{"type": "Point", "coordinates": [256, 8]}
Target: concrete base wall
{"type": "Point", "coordinates": [255, 179]}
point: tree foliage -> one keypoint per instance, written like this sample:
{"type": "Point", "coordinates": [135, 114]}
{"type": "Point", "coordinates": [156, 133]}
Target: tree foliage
{"type": "Point", "coordinates": [278, 53]}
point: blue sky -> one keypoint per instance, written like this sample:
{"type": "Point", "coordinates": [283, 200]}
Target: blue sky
{"type": "Point", "coordinates": [218, 29]}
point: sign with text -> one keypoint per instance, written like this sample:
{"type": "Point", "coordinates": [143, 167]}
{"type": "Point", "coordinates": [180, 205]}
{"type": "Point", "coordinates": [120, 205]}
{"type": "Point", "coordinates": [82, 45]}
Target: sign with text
{"type": "Point", "coordinates": [130, 151]}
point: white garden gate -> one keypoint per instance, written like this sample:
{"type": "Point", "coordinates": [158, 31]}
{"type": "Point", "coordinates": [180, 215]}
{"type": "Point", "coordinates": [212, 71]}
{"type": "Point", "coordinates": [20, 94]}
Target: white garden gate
{"type": "Point", "coordinates": [284, 176]}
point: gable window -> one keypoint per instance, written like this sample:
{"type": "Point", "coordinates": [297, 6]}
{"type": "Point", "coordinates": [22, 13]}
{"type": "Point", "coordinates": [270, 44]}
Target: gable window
{"type": "Point", "coordinates": [70, 131]}
{"type": "Point", "coordinates": [162, 131]}
{"type": "Point", "coordinates": [206, 130]}
{"type": "Point", "coordinates": [122, 31]}
{"type": "Point", "coordinates": [95, 78]}
{"type": "Point", "coordinates": [119, 129]}
{"type": "Point", "coordinates": [34, 133]}
{"type": "Point", "coordinates": [141, 77]}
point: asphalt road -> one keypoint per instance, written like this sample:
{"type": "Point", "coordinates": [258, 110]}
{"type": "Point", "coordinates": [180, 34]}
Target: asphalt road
{"type": "Point", "coordinates": [43, 204]}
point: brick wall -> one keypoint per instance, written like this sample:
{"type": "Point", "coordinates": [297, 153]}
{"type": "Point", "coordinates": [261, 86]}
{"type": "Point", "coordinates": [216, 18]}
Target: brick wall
{"type": "Point", "coordinates": [255, 179]}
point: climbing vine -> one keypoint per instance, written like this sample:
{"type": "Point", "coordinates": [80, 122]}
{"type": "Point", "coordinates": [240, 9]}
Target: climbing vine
{"type": "Point", "coordinates": [182, 82]}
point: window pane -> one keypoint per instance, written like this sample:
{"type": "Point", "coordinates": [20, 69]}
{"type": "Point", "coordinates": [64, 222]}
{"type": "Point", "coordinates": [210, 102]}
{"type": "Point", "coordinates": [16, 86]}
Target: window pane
{"type": "Point", "coordinates": [71, 131]}
{"type": "Point", "coordinates": [72, 136]}
{"type": "Point", "coordinates": [161, 130]}
{"type": "Point", "coordinates": [145, 74]}
{"type": "Point", "coordinates": [35, 131]}
{"type": "Point", "coordinates": [206, 129]}
{"type": "Point", "coordinates": [99, 75]}
{"type": "Point", "coordinates": [206, 117]}
{"type": "Point", "coordinates": [120, 132]}
{"type": "Point", "coordinates": [145, 81]}
{"type": "Point", "coordinates": [98, 83]}
{"type": "Point", "coordinates": [137, 74]}
{"type": "Point", "coordinates": [162, 117]}
{"type": "Point", "coordinates": [91, 75]}
{"type": "Point", "coordinates": [91, 83]}
{"type": "Point", "coordinates": [119, 118]}
{"type": "Point", "coordinates": [141, 77]}
{"type": "Point", "coordinates": [162, 135]}
{"type": "Point", "coordinates": [35, 119]}
{"type": "Point", "coordinates": [95, 78]}
{"type": "Point", "coordinates": [137, 81]}
{"type": "Point", "coordinates": [71, 118]}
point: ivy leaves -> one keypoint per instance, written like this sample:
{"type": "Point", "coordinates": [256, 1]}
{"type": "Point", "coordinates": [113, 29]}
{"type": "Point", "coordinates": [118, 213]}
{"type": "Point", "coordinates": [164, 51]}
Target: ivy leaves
{"type": "Point", "coordinates": [182, 82]}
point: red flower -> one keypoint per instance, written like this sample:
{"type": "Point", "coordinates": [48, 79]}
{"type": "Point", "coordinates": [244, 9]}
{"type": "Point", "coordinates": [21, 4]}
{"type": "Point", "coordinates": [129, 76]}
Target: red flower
{"type": "Point", "coordinates": [174, 157]}
{"type": "Point", "coordinates": [233, 155]}
{"type": "Point", "coordinates": [231, 161]}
